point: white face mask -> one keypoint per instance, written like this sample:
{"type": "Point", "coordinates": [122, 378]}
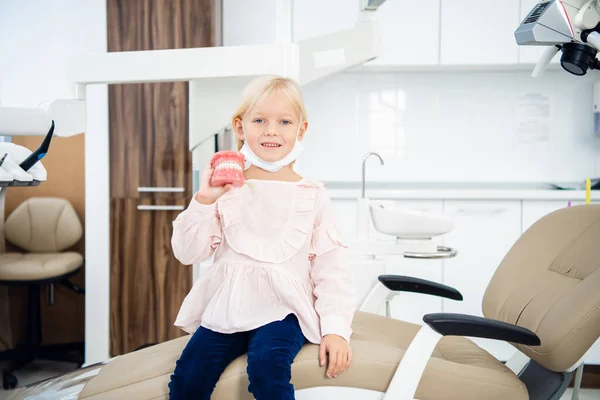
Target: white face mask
{"type": "Point", "coordinates": [271, 166]}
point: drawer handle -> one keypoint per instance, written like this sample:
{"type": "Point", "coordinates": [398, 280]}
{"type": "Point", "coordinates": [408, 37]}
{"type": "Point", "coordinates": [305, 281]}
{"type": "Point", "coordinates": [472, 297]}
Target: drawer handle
{"type": "Point", "coordinates": [154, 208]}
{"type": "Point", "coordinates": [493, 211]}
{"type": "Point", "coordinates": [160, 189]}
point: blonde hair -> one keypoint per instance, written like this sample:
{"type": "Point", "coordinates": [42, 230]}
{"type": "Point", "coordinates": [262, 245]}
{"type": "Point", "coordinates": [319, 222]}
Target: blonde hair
{"type": "Point", "coordinates": [259, 89]}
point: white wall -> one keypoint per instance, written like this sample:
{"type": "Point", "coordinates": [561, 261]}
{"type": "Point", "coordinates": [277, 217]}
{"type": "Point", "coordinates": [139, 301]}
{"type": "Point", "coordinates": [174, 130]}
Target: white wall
{"type": "Point", "coordinates": [36, 38]}
{"type": "Point", "coordinates": [452, 126]}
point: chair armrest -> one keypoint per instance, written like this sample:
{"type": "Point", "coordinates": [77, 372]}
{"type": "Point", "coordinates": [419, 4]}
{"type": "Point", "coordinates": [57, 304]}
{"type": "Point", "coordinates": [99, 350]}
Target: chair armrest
{"type": "Point", "coordinates": [450, 324]}
{"type": "Point", "coordinates": [410, 370]}
{"type": "Point", "coordinates": [400, 283]}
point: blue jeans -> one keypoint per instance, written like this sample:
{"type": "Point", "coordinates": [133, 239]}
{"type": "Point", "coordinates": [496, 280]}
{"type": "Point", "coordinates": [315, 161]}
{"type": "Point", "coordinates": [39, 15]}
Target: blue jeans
{"type": "Point", "coordinates": [271, 350]}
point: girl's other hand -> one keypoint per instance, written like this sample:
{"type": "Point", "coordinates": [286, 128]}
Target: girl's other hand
{"type": "Point", "coordinates": [340, 354]}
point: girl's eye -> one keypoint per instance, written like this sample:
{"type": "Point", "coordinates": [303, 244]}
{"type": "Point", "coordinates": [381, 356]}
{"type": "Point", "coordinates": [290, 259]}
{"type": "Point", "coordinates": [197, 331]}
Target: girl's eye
{"type": "Point", "coordinates": [258, 120]}
{"type": "Point", "coordinates": [286, 122]}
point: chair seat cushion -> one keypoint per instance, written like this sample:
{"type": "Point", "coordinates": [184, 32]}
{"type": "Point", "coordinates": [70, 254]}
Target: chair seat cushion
{"type": "Point", "coordinates": [37, 266]}
{"type": "Point", "coordinates": [459, 369]}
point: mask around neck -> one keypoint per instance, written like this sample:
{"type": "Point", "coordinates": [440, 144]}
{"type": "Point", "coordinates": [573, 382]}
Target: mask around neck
{"type": "Point", "coordinates": [271, 166]}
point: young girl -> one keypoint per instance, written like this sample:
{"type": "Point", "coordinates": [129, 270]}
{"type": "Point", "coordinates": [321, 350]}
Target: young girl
{"type": "Point", "coordinates": [280, 275]}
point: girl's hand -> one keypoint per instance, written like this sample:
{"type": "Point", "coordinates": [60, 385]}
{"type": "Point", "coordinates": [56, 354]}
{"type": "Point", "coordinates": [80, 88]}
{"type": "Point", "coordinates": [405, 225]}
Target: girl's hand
{"type": "Point", "coordinates": [340, 354]}
{"type": "Point", "coordinates": [208, 194]}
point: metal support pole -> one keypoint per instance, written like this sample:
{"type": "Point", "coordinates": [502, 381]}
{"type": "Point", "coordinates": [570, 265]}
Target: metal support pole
{"type": "Point", "coordinates": [5, 329]}
{"type": "Point", "coordinates": [577, 384]}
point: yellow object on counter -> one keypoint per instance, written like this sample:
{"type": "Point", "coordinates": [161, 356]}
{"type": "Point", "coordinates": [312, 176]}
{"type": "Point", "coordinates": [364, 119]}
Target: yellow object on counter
{"type": "Point", "coordinates": [588, 190]}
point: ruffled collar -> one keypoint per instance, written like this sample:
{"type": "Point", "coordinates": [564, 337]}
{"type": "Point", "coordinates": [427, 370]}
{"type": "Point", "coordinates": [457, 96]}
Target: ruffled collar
{"type": "Point", "coordinates": [299, 224]}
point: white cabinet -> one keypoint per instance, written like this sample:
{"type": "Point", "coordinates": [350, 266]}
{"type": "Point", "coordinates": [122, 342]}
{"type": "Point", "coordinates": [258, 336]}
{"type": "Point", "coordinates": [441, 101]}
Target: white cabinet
{"type": "Point", "coordinates": [411, 307]}
{"type": "Point", "coordinates": [476, 32]}
{"type": "Point", "coordinates": [531, 54]}
{"type": "Point", "coordinates": [246, 23]}
{"type": "Point", "coordinates": [533, 210]}
{"type": "Point", "coordinates": [255, 22]}
{"type": "Point", "coordinates": [410, 33]}
{"type": "Point", "coordinates": [484, 232]}
{"type": "Point", "coordinates": [413, 33]}
{"type": "Point", "coordinates": [345, 211]}
{"type": "Point", "coordinates": [314, 18]}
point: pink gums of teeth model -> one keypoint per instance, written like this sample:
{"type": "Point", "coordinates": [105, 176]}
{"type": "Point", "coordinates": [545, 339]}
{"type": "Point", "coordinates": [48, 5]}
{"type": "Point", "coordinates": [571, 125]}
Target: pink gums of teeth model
{"type": "Point", "coordinates": [228, 168]}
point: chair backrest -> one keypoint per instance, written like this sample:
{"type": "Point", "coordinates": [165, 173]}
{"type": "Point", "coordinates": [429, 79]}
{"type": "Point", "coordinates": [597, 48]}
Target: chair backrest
{"type": "Point", "coordinates": [43, 225]}
{"type": "Point", "coordinates": [549, 282]}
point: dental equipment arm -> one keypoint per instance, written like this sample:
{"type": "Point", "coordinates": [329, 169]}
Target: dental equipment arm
{"type": "Point", "coordinates": [39, 153]}
{"type": "Point", "coordinates": [68, 114]}
{"type": "Point", "coordinates": [20, 166]}
{"type": "Point", "coordinates": [399, 283]}
{"type": "Point", "coordinates": [451, 324]}
{"type": "Point", "coordinates": [570, 26]}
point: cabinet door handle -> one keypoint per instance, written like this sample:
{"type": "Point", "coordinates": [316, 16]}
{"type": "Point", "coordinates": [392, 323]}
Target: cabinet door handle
{"type": "Point", "coordinates": [154, 208]}
{"type": "Point", "coordinates": [160, 189]}
{"type": "Point", "coordinates": [488, 211]}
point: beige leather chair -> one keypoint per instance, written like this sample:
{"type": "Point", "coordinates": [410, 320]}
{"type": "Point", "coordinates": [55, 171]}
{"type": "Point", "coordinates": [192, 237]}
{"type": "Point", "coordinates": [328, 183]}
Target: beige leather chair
{"type": "Point", "coordinates": [546, 289]}
{"type": "Point", "coordinates": [43, 227]}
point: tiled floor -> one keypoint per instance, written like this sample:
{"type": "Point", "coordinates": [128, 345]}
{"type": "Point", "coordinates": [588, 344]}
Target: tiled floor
{"type": "Point", "coordinates": [42, 370]}
{"type": "Point", "coordinates": [36, 372]}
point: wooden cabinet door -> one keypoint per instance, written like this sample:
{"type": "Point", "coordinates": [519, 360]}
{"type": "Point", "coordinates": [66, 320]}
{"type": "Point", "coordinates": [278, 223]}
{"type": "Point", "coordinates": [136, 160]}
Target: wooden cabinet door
{"type": "Point", "coordinates": [149, 152]}
{"type": "Point", "coordinates": [150, 165]}
{"type": "Point", "coordinates": [148, 284]}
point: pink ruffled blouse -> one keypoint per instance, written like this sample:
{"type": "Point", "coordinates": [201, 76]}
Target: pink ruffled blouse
{"type": "Point", "coordinates": [277, 250]}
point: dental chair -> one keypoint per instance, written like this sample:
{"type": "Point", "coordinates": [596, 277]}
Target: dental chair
{"type": "Point", "coordinates": [543, 299]}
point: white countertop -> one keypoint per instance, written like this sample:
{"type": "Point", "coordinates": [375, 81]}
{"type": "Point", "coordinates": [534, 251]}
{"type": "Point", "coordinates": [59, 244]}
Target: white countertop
{"type": "Point", "coordinates": [456, 191]}
{"type": "Point", "coordinates": [457, 194]}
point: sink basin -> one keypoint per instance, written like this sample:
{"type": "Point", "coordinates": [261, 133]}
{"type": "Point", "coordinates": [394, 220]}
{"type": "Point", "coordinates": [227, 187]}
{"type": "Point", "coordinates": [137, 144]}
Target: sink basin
{"type": "Point", "coordinates": [405, 223]}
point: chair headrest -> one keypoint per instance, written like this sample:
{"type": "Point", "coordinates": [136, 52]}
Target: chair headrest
{"type": "Point", "coordinates": [548, 282]}
{"type": "Point", "coordinates": [43, 225]}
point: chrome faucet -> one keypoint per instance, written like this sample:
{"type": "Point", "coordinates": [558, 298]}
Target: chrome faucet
{"type": "Point", "coordinates": [363, 168]}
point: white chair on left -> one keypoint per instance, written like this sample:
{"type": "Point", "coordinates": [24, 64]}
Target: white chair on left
{"type": "Point", "coordinates": [44, 228]}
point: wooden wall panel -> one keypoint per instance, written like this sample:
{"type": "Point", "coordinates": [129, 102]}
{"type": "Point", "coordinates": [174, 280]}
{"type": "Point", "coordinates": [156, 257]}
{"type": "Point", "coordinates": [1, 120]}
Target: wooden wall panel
{"type": "Point", "coordinates": [149, 148]}
{"type": "Point", "coordinates": [156, 24]}
{"type": "Point", "coordinates": [66, 179]}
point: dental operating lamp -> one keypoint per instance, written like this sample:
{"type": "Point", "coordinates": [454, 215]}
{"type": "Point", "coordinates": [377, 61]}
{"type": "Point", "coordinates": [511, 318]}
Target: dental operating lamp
{"type": "Point", "coordinates": [569, 26]}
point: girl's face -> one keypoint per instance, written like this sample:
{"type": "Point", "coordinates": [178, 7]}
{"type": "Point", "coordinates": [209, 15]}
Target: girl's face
{"type": "Point", "coordinates": [272, 128]}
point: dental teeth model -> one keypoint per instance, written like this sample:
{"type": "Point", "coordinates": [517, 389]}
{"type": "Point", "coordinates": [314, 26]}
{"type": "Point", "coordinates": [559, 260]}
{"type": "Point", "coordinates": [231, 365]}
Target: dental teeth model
{"type": "Point", "coordinates": [228, 168]}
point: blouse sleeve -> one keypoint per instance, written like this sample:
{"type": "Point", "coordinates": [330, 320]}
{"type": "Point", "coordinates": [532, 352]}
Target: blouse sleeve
{"type": "Point", "coordinates": [196, 233]}
{"type": "Point", "coordinates": [335, 290]}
